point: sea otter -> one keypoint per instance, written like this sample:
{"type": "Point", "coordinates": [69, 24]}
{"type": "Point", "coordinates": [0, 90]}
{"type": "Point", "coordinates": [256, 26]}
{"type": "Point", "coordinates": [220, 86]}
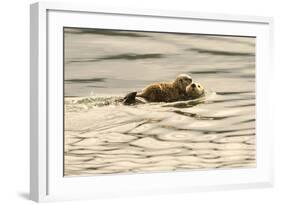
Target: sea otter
{"type": "Point", "coordinates": [192, 91]}
{"type": "Point", "coordinates": [166, 91]}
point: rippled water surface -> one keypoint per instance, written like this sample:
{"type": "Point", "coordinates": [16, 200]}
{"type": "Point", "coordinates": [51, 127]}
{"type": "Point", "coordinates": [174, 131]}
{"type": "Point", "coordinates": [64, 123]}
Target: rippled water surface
{"type": "Point", "coordinates": [106, 137]}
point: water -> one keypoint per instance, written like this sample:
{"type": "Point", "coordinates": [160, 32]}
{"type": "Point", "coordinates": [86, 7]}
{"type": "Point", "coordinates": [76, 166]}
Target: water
{"type": "Point", "coordinates": [105, 137]}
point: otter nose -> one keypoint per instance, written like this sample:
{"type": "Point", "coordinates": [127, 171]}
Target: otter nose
{"type": "Point", "coordinates": [193, 85]}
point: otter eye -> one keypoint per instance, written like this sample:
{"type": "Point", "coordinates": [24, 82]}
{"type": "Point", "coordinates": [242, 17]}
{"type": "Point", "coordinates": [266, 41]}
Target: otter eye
{"type": "Point", "coordinates": [198, 86]}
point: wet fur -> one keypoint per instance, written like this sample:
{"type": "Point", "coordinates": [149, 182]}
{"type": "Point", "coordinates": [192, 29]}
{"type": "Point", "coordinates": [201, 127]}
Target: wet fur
{"type": "Point", "coordinates": [161, 92]}
{"type": "Point", "coordinates": [166, 91]}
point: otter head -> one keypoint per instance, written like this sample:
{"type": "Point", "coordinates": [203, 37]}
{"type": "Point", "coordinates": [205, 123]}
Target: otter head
{"type": "Point", "coordinates": [182, 81]}
{"type": "Point", "coordinates": [195, 90]}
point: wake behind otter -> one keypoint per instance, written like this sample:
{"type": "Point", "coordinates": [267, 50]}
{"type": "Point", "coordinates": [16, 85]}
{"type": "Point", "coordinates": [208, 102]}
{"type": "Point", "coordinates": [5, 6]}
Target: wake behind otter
{"type": "Point", "coordinates": [73, 104]}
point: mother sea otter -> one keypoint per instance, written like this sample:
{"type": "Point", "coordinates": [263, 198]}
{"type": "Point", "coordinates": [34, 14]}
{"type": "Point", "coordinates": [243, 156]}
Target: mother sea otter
{"type": "Point", "coordinates": [163, 91]}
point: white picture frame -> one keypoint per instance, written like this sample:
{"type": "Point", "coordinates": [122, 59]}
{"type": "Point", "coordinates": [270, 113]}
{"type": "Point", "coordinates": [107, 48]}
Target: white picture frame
{"type": "Point", "coordinates": [46, 179]}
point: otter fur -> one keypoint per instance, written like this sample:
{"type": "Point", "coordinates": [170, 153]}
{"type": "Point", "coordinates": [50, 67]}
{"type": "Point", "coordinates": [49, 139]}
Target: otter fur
{"type": "Point", "coordinates": [166, 91]}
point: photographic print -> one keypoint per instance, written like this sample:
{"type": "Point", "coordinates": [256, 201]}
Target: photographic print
{"type": "Point", "coordinates": [143, 102]}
